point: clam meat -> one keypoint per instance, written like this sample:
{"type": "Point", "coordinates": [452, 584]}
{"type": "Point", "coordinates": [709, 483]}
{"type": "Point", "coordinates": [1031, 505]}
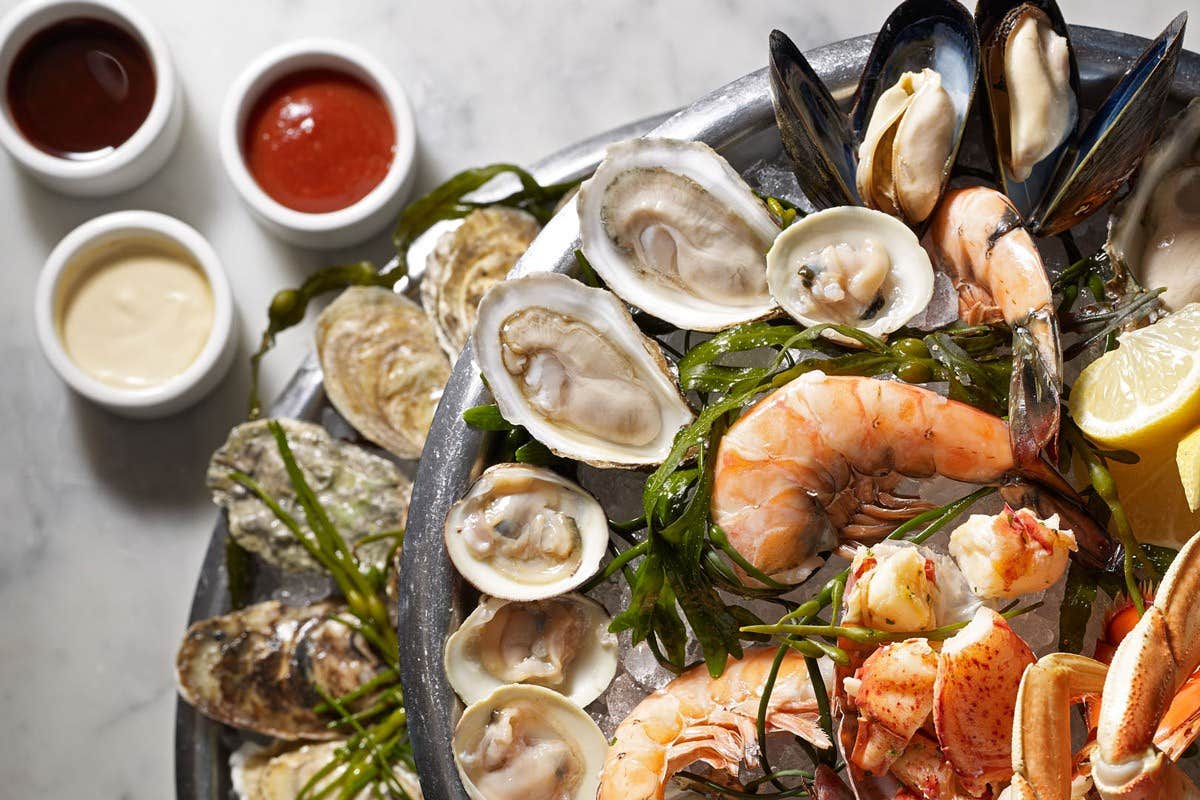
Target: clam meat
{"type": "Point", "coordinates": [384, 369]}
{"type": "Point", "coordinates": [568, 363]}
{"type": "Point", "coordinates": [562, 643]}
{"type": "Point", "coordinates": [528, 743]}
{"type": "Point", "coordinates": [908, 147]}
{"type": "Point", "coordinates": [468, 261]}
{"type": "Point", "coordinates": [275, 773]}
{"type": "Point", "coordinates": [363, 493]}
{"type": "Point", "coordinates": [850, 266]}
{"type": "Point", "coordinates": [260, 668]}
{"type": "Point", "coordinates": [674, 230]}
{"type": "Point", "coordinates": [1155, 231]}
{"type": "Point", "coordinates": [526, 533]}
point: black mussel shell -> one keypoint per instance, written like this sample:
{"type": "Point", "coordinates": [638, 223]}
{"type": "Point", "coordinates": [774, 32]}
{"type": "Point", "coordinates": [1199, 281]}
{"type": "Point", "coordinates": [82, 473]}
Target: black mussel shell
{"type": "Point", "coordinates": [939, 34]}
{"type": "Point", "coordinates": [1112, 145]}
{"type": "Point", "coordinates": [995, 20]}
{"type": "Point", "coordinates": [812, 127]}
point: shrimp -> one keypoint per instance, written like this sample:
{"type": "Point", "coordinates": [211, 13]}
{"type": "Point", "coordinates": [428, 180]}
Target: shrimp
{"type": "Point", "coordinates": [816, 462]}
{"type": "Point", "coordinates": [699, 718]}
{"type": "Point", "coordinates": [976, 237]}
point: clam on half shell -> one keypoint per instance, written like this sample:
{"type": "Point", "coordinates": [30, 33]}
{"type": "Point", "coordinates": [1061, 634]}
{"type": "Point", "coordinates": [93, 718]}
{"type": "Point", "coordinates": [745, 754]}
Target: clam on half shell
{"type": "Point", "coordinates": [568, 363]}
{"type": "Point", "coordinates": [850, 266]}
{"type": "Point", "coordinates": [561, 643]}
{"type": "Point", "coordinates": [674, 230]}
{"type": "Point", "coordinates": [384, 369]}
{"type": "Point", "coordinates": [467, 262]}
{"type": "Point", "coordinates": [1155, 231]}
{"type": "Point", "coordinates": [525, 533]}
{"type": "Point", "coordinates": [522, 742]}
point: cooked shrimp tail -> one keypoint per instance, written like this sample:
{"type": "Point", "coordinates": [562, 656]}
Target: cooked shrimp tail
{"type": "Point", "coordinates": [1035, 390]}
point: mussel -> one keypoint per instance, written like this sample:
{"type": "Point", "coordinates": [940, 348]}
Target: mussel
{"type": "Point", "coordinates": [895, 150]}
{"type": "Point", "coordinates": [1055, 171]}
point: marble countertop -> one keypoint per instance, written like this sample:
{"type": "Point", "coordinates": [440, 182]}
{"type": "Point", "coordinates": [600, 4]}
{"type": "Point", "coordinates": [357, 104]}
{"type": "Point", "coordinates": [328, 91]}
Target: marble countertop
{"type": "Point", "coordinates": [107, 519]}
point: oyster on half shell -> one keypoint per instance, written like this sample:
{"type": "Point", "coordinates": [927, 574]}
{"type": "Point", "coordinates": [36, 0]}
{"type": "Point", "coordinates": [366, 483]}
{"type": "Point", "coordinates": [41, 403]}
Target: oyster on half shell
{"type": "Point", "coordinates": [467, 262]}
{"type": "Point", "coordinates": [568, 363]}
{"type": "Point", "coordinates": [384, 369]}
{"type": "Point", "coordinates": [1155, 232]}
{"type": "Point", "coordinates": [525, 533]}
{"type": "Point", "coordinates": [279, 773]}
{"type": "Point", "coordinates": [674, 230]}
{"type": "Point", "coordinates": [522, 742]}
{"type": "Point", "coordinates": [850, 266]}
{"type": "Point", "coordinates": [561, 642]}
{"type": "Point", "coordinates": [363, 493]}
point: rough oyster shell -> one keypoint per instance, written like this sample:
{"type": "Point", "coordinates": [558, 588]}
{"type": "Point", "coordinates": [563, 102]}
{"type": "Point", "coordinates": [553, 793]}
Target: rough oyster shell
{"type": "Point", "coordinates": [467, 262]}
{"type": "Point", "coordinates": [561, 643]}
{"type": "Point", "coordinates": [363, 493]}
{"type": "Point", "coordinates": [384, 369]}
{"type": "Point", "coordinates": [279, 773]}
{"type": "Point", "coordinates": [674, 230]}
{"type": "Point", "coordinates": [568, 363]}
{"type": "Point", "coordinates": [259, 668]}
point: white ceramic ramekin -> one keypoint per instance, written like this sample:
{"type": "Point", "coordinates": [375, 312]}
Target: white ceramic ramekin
{"type": "Point", "coordinates": [346, 226]}
{"type": "Point", "coordinates": [128, 164]}
{"type": "Point", "coordinates": [183, 389]}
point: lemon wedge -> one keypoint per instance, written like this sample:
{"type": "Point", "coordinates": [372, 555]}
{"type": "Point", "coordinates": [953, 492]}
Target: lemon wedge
{"type": "Point", "coordinates": [1187, 459]}
{"type": "Point", "coordinates": [1154, 498]}
{"type": "Point", "coordinates": [1146, 393]}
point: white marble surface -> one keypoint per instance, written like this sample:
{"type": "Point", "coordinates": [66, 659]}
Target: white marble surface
{"type": "Point", "coordinates": [106, 519]}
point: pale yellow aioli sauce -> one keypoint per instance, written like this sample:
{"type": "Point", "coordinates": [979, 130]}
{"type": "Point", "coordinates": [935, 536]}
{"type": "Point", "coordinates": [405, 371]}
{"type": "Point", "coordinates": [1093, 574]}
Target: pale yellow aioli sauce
{"type": "Point", "coordinates": [137, 315]}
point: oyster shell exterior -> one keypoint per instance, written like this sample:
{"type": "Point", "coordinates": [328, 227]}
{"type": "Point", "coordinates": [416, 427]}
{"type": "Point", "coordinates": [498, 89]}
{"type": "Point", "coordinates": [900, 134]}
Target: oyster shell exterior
{"type": "Point", "coordinates": [524, 741]}
{"type": "Point", "coordinates": [363, 493]}
{"type": "Point", "coordinates": [1155, 232]}
{"type": "Point", "coordinates": [850, 266]}
{"type": "Point", "coordinates": [568, 363]}
{"type": "Point", "coordinates": [467, 262]}
{"type": "Point", "coordinates": [259, 668]}
{"type": "Point", "coordinates": [279, 773]}
{"type": "Point", "coordinates": [561, 643]}
{"type": "Point", "coordinates": [384, 369]}
{"type": "Point", "coordinates": [526, 533]}
{"type": "Point", "coordinates": [674, 230]}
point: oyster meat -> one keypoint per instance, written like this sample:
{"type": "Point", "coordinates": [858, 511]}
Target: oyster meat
{"type": "Point", "coordinates": [674, 230]}
{"type": "Point", "coordinates": [525, 533]}
{"type": "Point", "coordinates": [259, 668]}
{"type": "Point", "coordinates": [568, 363]}
{"type": "Point", "coordinates": [907, 148]}
{"type": "Point", "coordinates": [384, 369]}
{"type": "Point", "coordinates": [850, 266]}
{"type": "Point", "coordinates": [363, 493]}
{"type": "Point", "coordinates": [562, 643]}
{"type": "Point", "coordinates": [1155, 231]}
{"type": "Point", "coordinates": [523, 742]}
{"type": "Point", "coordinates": [279, 773]}
{"type": "Point", "coordinates": [467, 262]}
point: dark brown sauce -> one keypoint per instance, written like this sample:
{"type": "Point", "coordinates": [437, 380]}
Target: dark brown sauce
{"type": "Point", "coordinates": [80, 88]}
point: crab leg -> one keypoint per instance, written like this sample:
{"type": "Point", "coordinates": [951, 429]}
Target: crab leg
{"type": "Point", "coordinates": [1042, 758]}
{"type": "Point", "coordinates": [1148, 670]}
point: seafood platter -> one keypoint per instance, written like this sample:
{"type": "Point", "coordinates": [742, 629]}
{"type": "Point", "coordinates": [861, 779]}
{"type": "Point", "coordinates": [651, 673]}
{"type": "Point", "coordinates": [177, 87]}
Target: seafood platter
{"type": "Point", "coordinates": [838, 436]}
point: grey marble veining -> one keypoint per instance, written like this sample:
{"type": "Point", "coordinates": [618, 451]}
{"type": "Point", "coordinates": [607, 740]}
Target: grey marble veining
{"type": "Point", "coordinates": [105, 520]}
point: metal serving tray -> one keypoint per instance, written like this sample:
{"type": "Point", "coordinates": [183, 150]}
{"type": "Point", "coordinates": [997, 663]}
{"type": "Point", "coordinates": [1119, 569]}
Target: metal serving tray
{"type": "Point", "coordinates": [738, 120]}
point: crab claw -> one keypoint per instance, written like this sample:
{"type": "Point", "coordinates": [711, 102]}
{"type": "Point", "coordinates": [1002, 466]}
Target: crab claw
{"type": "Point", "coordinates": [975, 693]}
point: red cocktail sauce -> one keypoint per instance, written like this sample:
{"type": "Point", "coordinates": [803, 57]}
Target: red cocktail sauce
{"type": "Point", "coordinates": [319, 140]}
{"type": "Point", "coordinates": [80, 88]}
